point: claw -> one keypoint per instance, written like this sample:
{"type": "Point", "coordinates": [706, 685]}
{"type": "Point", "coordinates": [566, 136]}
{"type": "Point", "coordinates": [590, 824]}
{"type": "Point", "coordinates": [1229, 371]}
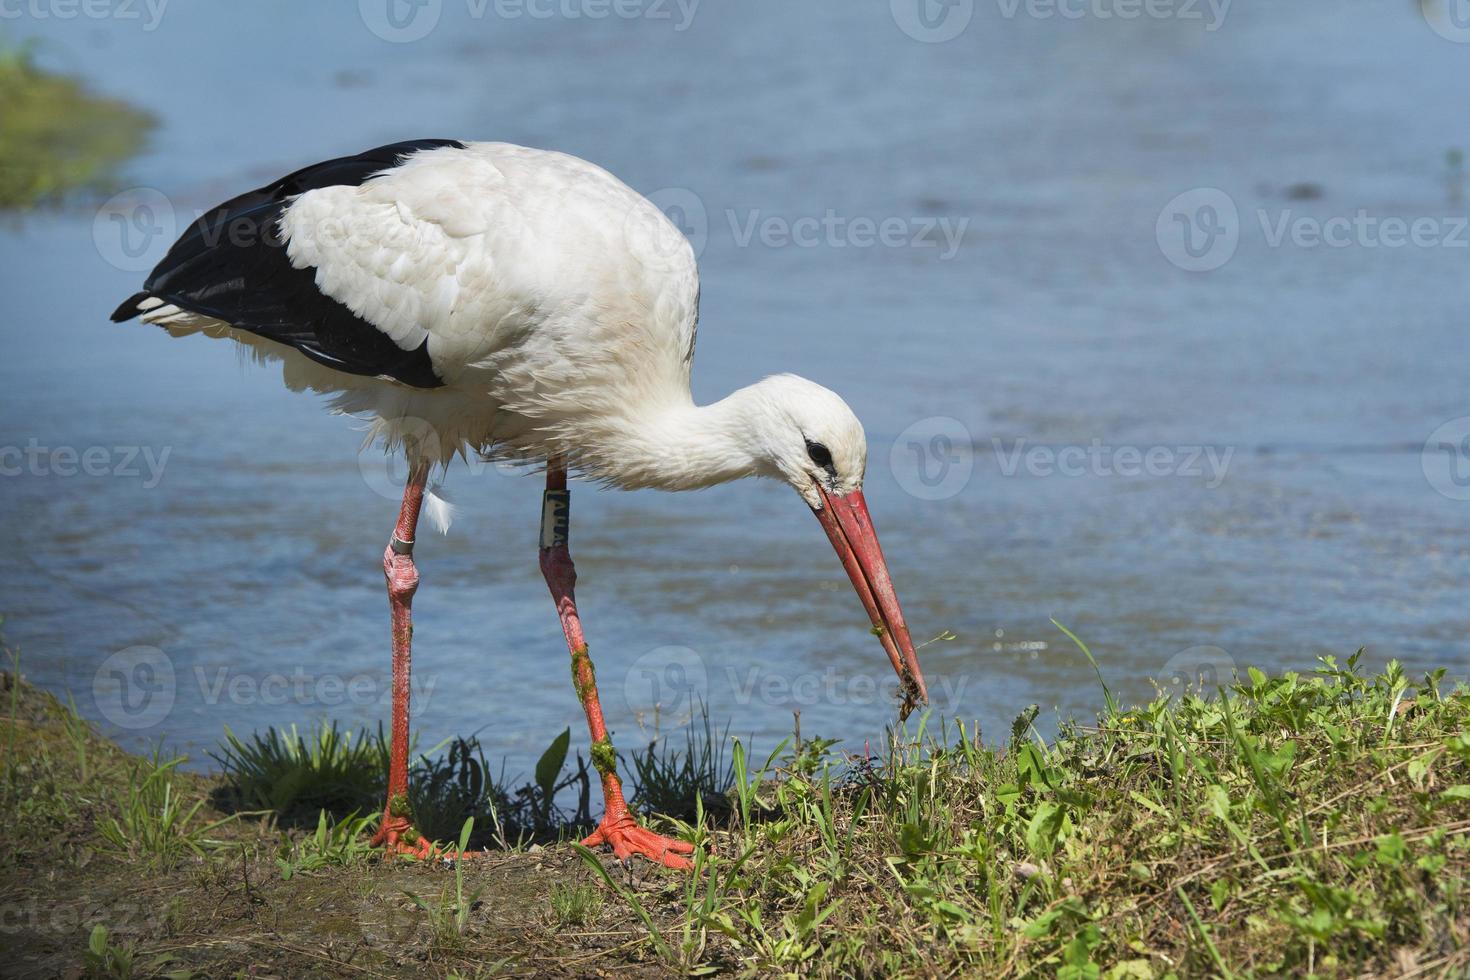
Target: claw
{"type": "Point", "coordinates": [626, 839]}
{"type": "Point", "coordinates": [399, 836]}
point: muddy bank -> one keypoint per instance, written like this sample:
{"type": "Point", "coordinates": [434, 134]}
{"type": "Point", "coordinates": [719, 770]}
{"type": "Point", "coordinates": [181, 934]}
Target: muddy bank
{"type": "Point", "coordinates": [228, 910]}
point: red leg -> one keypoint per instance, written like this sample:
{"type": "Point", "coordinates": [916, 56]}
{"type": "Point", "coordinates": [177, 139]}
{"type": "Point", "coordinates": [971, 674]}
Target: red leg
{"type": "Point", "coordinates": [618, 828]}
{"type": "Point", "coordinates": [397, 832]}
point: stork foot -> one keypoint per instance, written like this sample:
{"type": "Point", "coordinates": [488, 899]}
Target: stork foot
{"type": "Point", "coordinates": [626, 839]}
{"type": "Point", "coordinates": [398, 835]}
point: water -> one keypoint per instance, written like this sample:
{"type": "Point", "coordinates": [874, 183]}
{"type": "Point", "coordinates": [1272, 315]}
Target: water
{"type": "Point", "coordinates": [1314, 374]}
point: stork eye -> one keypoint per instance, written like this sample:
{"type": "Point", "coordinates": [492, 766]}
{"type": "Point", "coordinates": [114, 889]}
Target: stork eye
{"type": "Point", "coordinates": [819, 454]}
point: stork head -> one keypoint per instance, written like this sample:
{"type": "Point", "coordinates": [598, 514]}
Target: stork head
{"type": "Point", "coordinates": [809, 438]}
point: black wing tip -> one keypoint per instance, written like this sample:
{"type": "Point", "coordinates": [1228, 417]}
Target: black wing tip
{"type": "Point", "coordinates": [129, 307]}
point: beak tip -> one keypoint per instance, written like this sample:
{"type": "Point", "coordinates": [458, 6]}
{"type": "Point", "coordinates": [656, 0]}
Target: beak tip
{"type": "Point", "coordinates": [915, 695]}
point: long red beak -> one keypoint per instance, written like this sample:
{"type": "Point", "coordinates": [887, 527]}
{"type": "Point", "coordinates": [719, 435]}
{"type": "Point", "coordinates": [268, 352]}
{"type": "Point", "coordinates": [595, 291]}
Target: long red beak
{"type": "Point", "coordinates": [850, 529]}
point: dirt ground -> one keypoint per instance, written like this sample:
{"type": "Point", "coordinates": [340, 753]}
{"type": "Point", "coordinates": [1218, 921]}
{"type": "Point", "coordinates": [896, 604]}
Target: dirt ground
{"type": "Point", "coordinates": [230, 913]}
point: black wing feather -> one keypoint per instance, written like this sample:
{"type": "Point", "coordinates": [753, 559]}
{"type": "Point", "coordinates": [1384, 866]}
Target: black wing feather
{"type": "Point", "coordinates": [231, 265]}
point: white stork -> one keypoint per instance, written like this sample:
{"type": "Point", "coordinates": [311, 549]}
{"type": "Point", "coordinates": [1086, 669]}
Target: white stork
{"type": "Point", "coordinates": [523, 305]}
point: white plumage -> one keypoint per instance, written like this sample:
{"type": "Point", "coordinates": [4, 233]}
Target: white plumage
{"type": "Point", "coordinates": [559, 306]}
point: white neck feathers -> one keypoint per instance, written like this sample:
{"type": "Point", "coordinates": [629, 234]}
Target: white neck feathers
{"type": "Point", "coordinates": [679, 445]}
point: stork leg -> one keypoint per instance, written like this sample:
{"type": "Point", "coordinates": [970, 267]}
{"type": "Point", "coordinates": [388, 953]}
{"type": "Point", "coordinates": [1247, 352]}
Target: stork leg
{"type": "Point", "coordinates": [618, 828]}
{"type": "Point", "coordinates": [397, 831]}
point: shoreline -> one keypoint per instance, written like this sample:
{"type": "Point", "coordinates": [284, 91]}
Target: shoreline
{"type": "Point", "coordinates": [1308, 824]}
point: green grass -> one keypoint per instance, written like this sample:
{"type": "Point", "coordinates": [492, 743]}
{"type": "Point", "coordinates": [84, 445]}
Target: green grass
{"type": "Point", "coordinates": [104, 959]}
{"type": "Point", "coordinates": [575, 904]}
{"type": "Point", "coordinates": [446, 792]}
{"type": "Point", "coordinates": [59, 138]}
{"type": "Point", "coordinates": [673, 781]}
{"type": "Point", "coordinates": [1297, 825]}
{"type": "Point", "coordinates": [450, 915]}
{"type": "Point", "coordinates": [156, 821]}
{"type": "Point", "coordinates": [298, 776]}
{"type": "Point", "coordinates": [334, 844]}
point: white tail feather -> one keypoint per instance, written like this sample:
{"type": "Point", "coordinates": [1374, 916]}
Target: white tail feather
{"type": "Point", "coordinates": [438, 509]}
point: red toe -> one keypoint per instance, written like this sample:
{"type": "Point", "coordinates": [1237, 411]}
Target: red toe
{"type": "Point", "coordinates": [626, 839]}
{"type": "Point", "coordinates": [398, 835]}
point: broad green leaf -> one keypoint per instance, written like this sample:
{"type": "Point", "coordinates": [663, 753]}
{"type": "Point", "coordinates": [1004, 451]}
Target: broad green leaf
{"type": "Point", "coordinates": [548, 767]}
{"type": "Point", "coordinates": [1045, 828]}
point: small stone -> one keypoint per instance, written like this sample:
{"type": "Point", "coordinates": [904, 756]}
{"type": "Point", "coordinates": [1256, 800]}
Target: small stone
{"type": "Point", "coordinates": [1304, 190]}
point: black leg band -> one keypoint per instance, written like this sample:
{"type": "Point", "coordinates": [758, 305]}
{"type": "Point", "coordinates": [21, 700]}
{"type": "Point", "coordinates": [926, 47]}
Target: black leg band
{"type": "Point", "coordinates": [556, 516]}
